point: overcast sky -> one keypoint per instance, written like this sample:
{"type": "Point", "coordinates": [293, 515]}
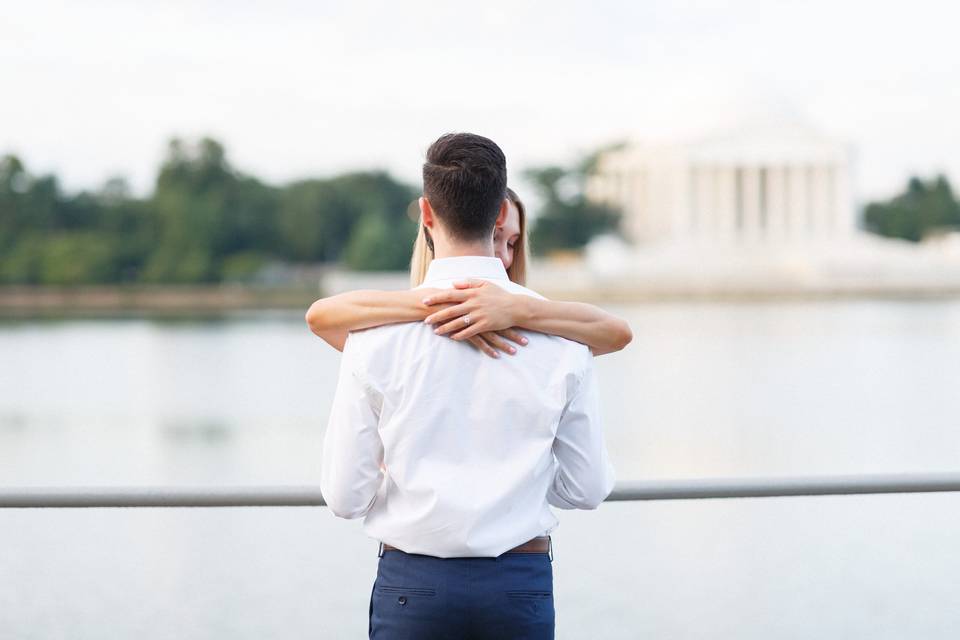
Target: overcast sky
{"type": "Point", "coordinates": [294, 89]}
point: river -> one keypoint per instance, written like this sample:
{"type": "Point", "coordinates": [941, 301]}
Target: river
{"type": "Point", "coordinates": [705, 389]}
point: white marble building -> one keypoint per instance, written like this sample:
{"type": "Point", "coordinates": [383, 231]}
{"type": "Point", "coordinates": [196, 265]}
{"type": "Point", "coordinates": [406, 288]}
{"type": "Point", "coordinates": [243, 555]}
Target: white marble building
{"type": "Point", "coordinates": [764, 208]}
{"type": "Point", "coordinates": [770, 182]}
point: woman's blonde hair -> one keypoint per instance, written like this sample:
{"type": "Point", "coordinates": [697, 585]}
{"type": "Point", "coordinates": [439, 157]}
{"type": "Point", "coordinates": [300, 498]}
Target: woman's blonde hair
{"type": "Point", "coordinates": [423, 249]}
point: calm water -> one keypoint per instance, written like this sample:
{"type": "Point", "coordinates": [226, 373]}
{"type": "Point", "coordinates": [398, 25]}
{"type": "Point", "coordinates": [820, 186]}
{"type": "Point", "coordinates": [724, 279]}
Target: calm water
{"type": "Point", "coordinates": [704, 390]}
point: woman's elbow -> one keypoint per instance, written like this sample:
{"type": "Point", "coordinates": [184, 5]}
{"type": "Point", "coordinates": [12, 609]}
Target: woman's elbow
{"type": "Point", "coordinates": [316, 319]}
{"type": "Point", "coordinates": [621, 336]}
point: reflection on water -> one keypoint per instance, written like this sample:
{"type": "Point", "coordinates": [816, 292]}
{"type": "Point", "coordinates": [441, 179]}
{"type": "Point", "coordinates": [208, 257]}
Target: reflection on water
{"type": "Point", "coordinates": [13, 422]}
{"type": "Point", "coordinates": [208, 432]}
{"type": "Point", "coordinates": [705, 389]}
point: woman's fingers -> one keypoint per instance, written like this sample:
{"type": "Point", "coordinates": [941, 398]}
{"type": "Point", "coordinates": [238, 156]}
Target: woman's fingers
{"type": "Point", "coordinates": [463, 321]}
{"type": "Point", "coordinates": [448, 313]}
{"type": "Point", "coordinates": [513, 335]}
{"type": "Point", "coordinates": [491, 344]}
{"type": "Point", "coordinates": [471, 330]}
{"type": "Point", "coordinates": [496, 341]}
{"type": "Point", "coordinates": [468, 284]}
{"type": "Point", "coordinates": [482, 345]}
{"type": "Point", "coordinates": [447, 295]}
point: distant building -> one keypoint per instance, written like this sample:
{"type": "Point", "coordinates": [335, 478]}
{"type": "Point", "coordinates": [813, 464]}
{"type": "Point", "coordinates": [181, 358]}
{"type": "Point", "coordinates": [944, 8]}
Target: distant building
{"type": "Point", "coordinates": [767, 183]}
{"type": "Point", "coordinates": [766, 208]}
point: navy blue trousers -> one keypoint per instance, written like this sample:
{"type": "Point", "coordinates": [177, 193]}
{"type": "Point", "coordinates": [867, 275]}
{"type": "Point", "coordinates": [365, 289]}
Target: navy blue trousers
{"type": "Point", "coordinates": [418, 597]}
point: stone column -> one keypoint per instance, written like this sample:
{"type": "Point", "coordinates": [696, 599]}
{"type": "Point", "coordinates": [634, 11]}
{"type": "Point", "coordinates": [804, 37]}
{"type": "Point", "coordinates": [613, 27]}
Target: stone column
{"type": "Point", "coordinates": [726, 203]}
{"type": "Point", "coordinates": [706, 213]}
{"type": "Point", "coordinates": [845, 211]}
{"type": "Point", "coordinates": [830, 202]}
{"type": "Point", "coordinates": [638, 204]}
{"type": "Point", "coordinates": [626, 193]}
{"type": "Point", "coordinates": [712, 222]}
{"type": "Point", "coordinates": [776, 203]}
{"type": "Point", "coordinates": [821, 201]}
{"type": "Point", "coordinates": [751, 203]}
{"type": "Point", "coordinates": [797, 206]}
{"type": "Point", "coordinates": [691, 223]}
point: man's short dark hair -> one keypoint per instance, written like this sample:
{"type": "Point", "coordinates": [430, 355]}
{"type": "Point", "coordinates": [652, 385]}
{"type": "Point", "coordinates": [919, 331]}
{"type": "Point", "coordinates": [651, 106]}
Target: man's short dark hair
{"type": "Point", "coordinates": [465, 180]}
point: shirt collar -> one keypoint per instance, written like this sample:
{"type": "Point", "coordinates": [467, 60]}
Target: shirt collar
{"type": "Point", "coordinates": [462, 267]}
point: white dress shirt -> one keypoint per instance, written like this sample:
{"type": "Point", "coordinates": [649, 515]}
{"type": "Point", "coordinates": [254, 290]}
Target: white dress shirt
{"type": "Point", "coordinates": [451, 453]}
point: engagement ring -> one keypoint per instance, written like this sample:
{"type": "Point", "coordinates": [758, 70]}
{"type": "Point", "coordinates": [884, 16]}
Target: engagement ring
{"type": "Point", "coordinates": [466, 319]}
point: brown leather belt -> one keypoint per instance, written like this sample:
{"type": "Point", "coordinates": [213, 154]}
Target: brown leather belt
{"type": "Point", "coordinates": [540, 544]}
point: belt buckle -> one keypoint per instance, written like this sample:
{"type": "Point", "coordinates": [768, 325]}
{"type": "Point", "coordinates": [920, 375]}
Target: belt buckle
{"type": "Point", "coordinates": [380, 551]}
{"type": "Point", "coordinates": [550, 547]}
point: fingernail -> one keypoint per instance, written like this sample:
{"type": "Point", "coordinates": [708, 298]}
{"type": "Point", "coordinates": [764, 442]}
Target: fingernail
{"type": "Point", "coordinates": [425, 301]}
{"type": "Point", "coordinates": [512, 350]}
{"type": "Point", "coordinates": [523, 341]}
{"type": "Point", "coordinates": [436, 330]}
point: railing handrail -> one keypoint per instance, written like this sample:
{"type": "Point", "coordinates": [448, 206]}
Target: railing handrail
{"type": "Point", "coordinates": [310, 496]}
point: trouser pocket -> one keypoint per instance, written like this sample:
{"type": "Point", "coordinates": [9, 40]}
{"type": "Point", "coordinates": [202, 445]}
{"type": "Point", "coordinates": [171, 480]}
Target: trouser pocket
{"type": "Point", "coordinates": [411, 591]}
{"type": "Point", "coordinates": [530, 594]}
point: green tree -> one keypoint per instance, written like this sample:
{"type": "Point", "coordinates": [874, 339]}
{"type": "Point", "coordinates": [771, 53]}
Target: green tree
{"type": "Point", "coordinates": [26, 201]}
{"type": "Point", "coordinates": [21, 262]}
{"type": "Point", "coordinates": [922, 208]}
{"type": "Point", "coordinates": [206, 211]}
{"type": "Point", "coordinates": [319, 217]}
{"type": "Point", "coordinates": [378, 244]}
{"type": "Point", "coordinates": [205, 221]}
{"type": "Point", "coordinates": [78, 258]}
{"type": "Point", "coordinates": [566, 219]}
{"type": "Point", "coordinates": [13, 182]}
{"type": "Point", "coordinates": [314, 221]}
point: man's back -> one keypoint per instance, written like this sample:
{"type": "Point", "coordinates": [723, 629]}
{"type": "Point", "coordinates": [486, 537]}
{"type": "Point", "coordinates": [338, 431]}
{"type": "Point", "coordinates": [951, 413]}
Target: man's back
{"type": "Point", "coordinates": [454, 458]}
{"type": "Point", "coordinates": [473, 448]}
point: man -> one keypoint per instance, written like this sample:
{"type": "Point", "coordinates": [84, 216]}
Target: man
{"type": "Point", "coordinates": [453, 457]}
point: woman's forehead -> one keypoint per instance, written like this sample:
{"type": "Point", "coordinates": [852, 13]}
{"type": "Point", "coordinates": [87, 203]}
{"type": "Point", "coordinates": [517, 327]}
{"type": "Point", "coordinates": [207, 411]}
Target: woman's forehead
{"type": "Point", "coordinates": [511, 224]}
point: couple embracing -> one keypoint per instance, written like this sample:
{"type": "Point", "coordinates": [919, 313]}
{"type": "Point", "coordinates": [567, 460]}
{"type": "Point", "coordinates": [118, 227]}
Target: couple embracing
{"type": "Point", "coordinates": [465, 408]}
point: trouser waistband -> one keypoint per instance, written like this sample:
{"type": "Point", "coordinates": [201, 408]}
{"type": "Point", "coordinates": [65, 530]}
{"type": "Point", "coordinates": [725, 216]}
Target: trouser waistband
{"type": "Point", "coordinates": [539, 544]}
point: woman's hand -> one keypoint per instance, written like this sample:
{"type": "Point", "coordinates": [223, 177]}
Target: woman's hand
{"type": "Point", "coordinates": [473, 307]}
{"type": "Point", "coordinates": [490, 341]}
{"type": "Point", "coordinates": [483, 312]}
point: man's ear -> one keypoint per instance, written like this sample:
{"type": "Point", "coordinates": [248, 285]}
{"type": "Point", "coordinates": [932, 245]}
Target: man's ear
{"type": "Point", "coordinates": [426, 212]}
{"type": "Point", "coordinates": [502, 215]}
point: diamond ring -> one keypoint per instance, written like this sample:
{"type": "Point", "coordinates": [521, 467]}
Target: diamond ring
{"type": "Point", "coordinates": [466, 319]}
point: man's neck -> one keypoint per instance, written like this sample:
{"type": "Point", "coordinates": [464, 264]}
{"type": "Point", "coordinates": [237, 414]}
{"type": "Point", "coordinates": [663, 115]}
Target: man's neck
{"type": "Point", "coordinates": [484, 249]}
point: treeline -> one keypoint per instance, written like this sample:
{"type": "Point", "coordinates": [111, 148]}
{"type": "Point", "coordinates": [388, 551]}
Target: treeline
{"type": "Point", "coordinates": [924, 208]}
{"type": "Point", "coordinates": [205, 221]}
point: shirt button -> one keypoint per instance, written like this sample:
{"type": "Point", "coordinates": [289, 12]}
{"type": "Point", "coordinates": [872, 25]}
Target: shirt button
{"type": "Point", "coordinates": [402, 599]}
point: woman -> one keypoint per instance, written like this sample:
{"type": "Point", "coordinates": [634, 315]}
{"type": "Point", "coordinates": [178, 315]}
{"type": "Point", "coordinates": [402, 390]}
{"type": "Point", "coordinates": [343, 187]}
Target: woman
{"type": "Point", "coordinates": [495, 314]}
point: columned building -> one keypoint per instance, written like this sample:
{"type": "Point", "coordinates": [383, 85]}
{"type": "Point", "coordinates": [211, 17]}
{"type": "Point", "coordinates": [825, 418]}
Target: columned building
{"type": "Point", "coordinates": [764, 184]}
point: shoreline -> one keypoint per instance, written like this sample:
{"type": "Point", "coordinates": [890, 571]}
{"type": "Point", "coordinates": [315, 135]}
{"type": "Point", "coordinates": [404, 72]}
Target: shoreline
{"type": "Point", "coordinates": [151, 300]}
{"type": "Point", "coordinates": [652, 295]}
{"type": "Point", "coordinates": [212, 300]}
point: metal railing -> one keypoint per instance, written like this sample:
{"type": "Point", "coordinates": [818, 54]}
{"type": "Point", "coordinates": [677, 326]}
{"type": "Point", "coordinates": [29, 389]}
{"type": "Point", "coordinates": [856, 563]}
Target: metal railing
{"type": "Point", "coordinates": [310, 496]}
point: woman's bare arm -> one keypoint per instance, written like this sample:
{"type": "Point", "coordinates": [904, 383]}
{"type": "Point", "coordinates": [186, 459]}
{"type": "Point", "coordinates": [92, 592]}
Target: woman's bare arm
{"type": "Point", "coordinates": [603, 332]}
{"type": "Point", "coordinates": [334, 317]}
{"type": "Point", "coordinates": [491, 308]}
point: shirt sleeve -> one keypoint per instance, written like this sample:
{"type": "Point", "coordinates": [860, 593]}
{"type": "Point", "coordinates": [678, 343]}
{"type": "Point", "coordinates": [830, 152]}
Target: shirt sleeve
{"type": "Point", "coordinates": [584, 476]}
{"type": "Point", "coordinates": [351, 470]}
